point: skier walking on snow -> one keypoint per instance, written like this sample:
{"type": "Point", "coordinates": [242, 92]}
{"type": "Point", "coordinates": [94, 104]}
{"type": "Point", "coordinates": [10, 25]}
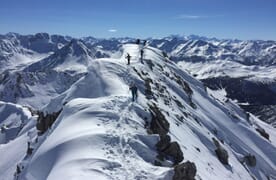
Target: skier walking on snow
{"type": "Point", "coordinates": [142, 55]}
{"type": "Point", "coordinates": [128, 58]}
{"type": "Point", "coordinates": [134, 90]}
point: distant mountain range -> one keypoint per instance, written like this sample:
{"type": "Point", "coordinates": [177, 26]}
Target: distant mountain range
{"type": "Point", "coordinates": [245, 69]}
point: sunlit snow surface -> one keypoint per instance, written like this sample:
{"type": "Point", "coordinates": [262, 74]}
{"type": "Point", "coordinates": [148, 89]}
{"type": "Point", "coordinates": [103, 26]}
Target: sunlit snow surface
{"type": "Point", "coordinates": [101, 134]}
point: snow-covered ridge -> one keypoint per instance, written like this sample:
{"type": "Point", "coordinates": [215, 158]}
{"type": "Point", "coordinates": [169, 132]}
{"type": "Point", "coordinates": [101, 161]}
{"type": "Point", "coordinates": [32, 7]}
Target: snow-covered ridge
{"type": "Point", "coordinates": [74, 56]}
{"type": "Point", "coordinates": [101, 134]}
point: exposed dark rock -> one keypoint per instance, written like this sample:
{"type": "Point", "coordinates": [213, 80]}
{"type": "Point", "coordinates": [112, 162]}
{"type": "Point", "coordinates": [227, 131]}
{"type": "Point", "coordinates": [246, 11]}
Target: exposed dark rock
{"type": "Point", "coordinates": [185, 86]}
{"type": "Point", "coordinates": [163, 143]}
{"type": "Point", "coordinates": [197, 121]}
{"type": "Point", "coordinates": [263, 133]}
{"type": "Point", "coordinates": [175, 152]}
{"type": "Point", "coordinates": [197, 149]}
{"type": "Point", "coordinates": [185, 171]}
{"type": "Point", "coordinates": [45, 122]}
{"type": "Point", "coordinates": [179, 104]}
{"type": "Point", "coordinates": [165, 54]}
{"type": "Point", "coordinates": [216, 142]}
{"type": "Point", "coordinates": [18, 169]}
{"type": "Point", "coordinates": [261, 97]}
{"type": "Point", "coordinates": [30, 149]}
{"type": "Point", "coordinates": [250, 160]}
{"type": "Point", "coordinates": [244, 90]}
{"type": "Point", "coordinates": [221, 153]}
{"type": "Point", "coordinates": [167, 148]}
{"type": "Point", "coordinates": [158, 161]}
{"type": "Point", "coordinates": [192, 104]}
{"type": "Point", "coordinates": [180, 118]}
{"type": "Point", "coordinates": [159, 124]}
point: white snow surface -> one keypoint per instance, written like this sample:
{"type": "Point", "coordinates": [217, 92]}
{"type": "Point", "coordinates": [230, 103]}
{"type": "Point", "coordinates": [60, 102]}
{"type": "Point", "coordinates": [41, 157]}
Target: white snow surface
{"type": "Point", "coordinates": [218, 68]}
{"type": "Point", "coordinates": [19, 61]}
{"type": "Point", "coordinates": [101, 134]}
{"type": "Point", "coordinates": [18, 124]}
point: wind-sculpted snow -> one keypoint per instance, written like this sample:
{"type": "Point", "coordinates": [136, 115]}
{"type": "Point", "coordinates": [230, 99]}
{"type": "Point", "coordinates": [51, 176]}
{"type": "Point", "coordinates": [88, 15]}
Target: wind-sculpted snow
{"type": "Point", "coordinates": [95, 138]}
{"type": "Point", "coordinates": [17, 127]}
{"type": "Point", "coordinates": [12, 120]}
{"type": "Point", "coordinates": [101, 134]}
{"type": "Point", "coordinates": [97, 83]}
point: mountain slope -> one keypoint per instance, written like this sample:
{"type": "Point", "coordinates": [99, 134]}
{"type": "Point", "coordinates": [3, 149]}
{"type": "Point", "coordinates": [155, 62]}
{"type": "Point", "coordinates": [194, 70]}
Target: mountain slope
{"type": "Point", "coordinates": [245, 69]}
{"type": "Point", "coordinates": [18, 51]}
{"type": "Point", "coordinates": [216, 62]}
{"type": "Point", "coordinates": [101, 134]}
{"type": "Point", "coordinates": [73, 57]}
{"type": "Point", "coordinates": [46, 78]}
{"type": "Point", "coordinates": [34, 89]}
{"type": "Point", "coordinates": [17, 128]}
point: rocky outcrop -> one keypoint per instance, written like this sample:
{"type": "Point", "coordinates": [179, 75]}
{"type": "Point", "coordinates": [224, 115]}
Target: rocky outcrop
{"type": "Point", "coordinates": [221, 153]}
{"type": "Point", "coordinates": [167, 148]}
{"type": "Point", "coordinates": [263, 133]}
{"type": "Point", "coordinates": [186, 88]}
{"type": "Point", "coordinates": [250, 160]}
{"type": "Point", "coordinates": [44, 122]}
{"type": "Point", "coordinates": [174, 151]}
{"type": "Point", "coordinates": [185, 171]}
{"type": "Point", "coordinates": [159, 124]}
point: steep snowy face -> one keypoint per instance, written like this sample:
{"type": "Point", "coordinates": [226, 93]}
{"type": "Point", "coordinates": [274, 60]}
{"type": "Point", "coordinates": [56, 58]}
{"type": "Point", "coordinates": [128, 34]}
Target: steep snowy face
{"type": "Point", "coordinates": [41, 42]}
{"type": "Point", "coordinates": [74, 57]}
{"type": "Point", "coordinates": [246, 69]}
{"type": "Point", "coordinates": [13, 120]}
{"type": "Point", "coordinates": [17, 51]}
{"type": "Point", "coordinates": [17, 125]}
{"type": "Point", "coordinates": [8, 50]}
{"type": "Point", "coordinates": [34, 89]}
{"type": "Point", "coordinates": [47, 78]}
{"type": "Point", "coordinates": [101, 134]}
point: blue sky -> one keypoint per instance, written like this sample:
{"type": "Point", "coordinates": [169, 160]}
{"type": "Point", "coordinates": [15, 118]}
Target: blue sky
{"type": "Point", "coordinates": [242, 19]}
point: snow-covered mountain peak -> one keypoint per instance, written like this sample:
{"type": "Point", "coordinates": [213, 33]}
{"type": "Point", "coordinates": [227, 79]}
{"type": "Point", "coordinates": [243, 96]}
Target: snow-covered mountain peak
{"type": "Point", "coordinates": [73, 57]}
{"type": "Point", "coordinates": [77, 48]}
{"type": "Point", "coordinates": [40, 37]}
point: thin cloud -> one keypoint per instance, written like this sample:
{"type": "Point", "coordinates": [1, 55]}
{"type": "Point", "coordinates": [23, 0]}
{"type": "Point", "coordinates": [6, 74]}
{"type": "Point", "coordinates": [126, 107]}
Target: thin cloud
{"type": "Point", "coordinates": [188, 16]}
{"type": "Point", "coordinates": [112, 30]}
{"type": "Point", "coordinates": [185, 16]}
